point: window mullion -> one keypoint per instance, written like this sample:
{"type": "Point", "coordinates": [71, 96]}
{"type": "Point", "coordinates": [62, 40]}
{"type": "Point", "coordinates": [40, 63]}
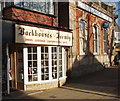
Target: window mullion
{"type": "Point", "coordinates": [63, 62]}
{"type": "Point", "coordinates": [39, 62]}
{"type": "Point", "coordinates": [50, 62]}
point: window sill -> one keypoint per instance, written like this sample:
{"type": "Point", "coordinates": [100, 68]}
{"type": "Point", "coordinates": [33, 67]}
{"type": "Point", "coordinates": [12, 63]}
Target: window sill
{"type": "Point", "coordinates": [82, 54]}
{"type": "Point", "coordinates": [47, 81]}
{"type": "Point", "coordinates": [96, 54]}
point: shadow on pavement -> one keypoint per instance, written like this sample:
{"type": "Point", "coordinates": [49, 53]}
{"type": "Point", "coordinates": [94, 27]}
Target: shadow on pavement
{"type": "Point", "coordinates": [102, 82]}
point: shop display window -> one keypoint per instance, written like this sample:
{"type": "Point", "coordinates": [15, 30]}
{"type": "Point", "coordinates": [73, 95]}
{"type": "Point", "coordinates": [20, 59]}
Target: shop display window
{"type": "Point", "coordinates": [32, 64]}
{"type": "Point", "coordinates": [43, 63]}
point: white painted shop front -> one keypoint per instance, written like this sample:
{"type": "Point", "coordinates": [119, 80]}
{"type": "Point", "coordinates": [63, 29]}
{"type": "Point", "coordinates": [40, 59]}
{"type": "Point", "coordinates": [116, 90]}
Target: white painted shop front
{"type": "Point", "coordinates": [44, 57]}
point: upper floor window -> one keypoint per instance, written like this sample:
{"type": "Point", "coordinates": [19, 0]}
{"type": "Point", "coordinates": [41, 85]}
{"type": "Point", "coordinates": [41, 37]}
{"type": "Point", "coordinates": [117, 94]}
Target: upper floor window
{"type": "Point", "coordinates": [44, 6]}
{"type": "Point", "coordinates": [83, 37]}
{"type": "Point", "coordinates": [105, 40]}
{"type": "Point", "coordinates": [96, 39]}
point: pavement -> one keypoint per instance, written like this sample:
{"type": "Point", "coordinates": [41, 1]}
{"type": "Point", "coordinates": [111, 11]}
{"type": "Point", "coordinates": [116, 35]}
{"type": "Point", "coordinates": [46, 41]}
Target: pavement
{"type": "Point", "coordinates": [102, 85]}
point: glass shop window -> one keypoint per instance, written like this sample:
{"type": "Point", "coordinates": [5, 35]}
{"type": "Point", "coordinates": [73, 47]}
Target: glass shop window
{"type": "Point", "coordinates": [44, 6]}
{"type": "Point", "coordinates": [44, 63]}
{"type": "Point", "coordinates": [32, 64]}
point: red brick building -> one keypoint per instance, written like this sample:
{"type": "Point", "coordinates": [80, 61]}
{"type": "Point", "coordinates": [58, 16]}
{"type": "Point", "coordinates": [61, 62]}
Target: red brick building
{"type": "Point", "coordinates": [93, 29]}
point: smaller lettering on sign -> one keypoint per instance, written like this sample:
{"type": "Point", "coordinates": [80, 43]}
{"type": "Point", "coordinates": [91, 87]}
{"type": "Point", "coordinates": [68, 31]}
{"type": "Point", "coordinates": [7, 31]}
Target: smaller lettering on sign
{"type": "Point", "coordinates": [34, 35]}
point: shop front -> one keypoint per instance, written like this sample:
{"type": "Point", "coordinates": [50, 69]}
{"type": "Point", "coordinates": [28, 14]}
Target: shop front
{"type": "Point", "coordinates": [38, 57]}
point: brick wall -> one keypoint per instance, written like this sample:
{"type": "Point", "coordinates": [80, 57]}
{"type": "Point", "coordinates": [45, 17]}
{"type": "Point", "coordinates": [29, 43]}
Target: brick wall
{"type": "Point", "coordinates": [26, 15]}
{"type": "Point", "coordinates": [91, 20]}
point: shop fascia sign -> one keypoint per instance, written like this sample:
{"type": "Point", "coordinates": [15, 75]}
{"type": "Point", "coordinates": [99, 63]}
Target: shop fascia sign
{"type": "Point", "coordinates": [42, 36]}
{"type": "Point", "coordinates": [94, 11]}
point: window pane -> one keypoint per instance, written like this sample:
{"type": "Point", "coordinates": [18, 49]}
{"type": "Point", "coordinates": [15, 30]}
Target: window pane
{"type": "Point", "coordinates": [46, 49]}
{"type": "Point", "coordinates": [35, 78]}
{"type": "Point", "coordinates": [34, 56]}
{"type": "Point", "coordinates": [34, 70]}
{"type": "Point", "coordinates": [46, 70]}
{"type": "Point", "coordinates": [29, 77]}
{"type": "Point", "coordinates": [46, 56]}
{"type": "Point", "coordinates": [29, 63]}
{"type": "Point", "coordinates": [60, 49]}
{"type": "Point", "coordinates": [29, 70]}
{"type": "Point", "coordinates": [60, 74]}
{"type": "Point", "coordinates": [44, 63]}
{"type": "Point", "coordinates": [54, 75]}
{"type": "Point", "coordinates": [34, 49]}
{"type": "Point", "coordinates": [42, 49]}
{"type": "Point", "coordinates": [54, 56]}
{"type": "Point", "coordinates": [29, 50]}
{"type": "Point", "coordinates": [29, 56]}
{"type": "Point", "coordinates": [42, 56]}
{"type": "Point", "coordinates": [34, 63]}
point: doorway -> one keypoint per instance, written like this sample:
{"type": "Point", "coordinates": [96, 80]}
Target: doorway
{"type": "Point", "coordinates": [16, 68]}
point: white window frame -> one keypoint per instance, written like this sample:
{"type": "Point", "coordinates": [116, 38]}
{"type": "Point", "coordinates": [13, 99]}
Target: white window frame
{"type": "Point", "coordinates": [98, 40]}
{"type": "Point", "coordinates": [82, 38]}
{"type": "Point", "coordinates": [25, 58]}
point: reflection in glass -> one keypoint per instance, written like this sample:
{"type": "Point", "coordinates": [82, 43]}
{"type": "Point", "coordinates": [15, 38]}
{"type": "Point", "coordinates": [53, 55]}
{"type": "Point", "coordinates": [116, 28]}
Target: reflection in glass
{"type": "Point", "coordinates": [45, 77]}
{"type": "Point", "coordinates": [34, 49]}
{"type": "Point", "coordinates": [60, 68]}
{"type": "Point", "coordinates": [54, 49]}
{"type": "Point", "coordinates": [60, 49]}
{"type": "Point", "coordinates": [46, 49]}
{"type": "Point", "coordinates": [42, 49]}
{"type": "Point", "coordinates": [46, 63]}
{"type": "Point", "coordinates": [29, 77]}
{"type": "Point", "coordinates": [54, 56]}
{"type": "Point", "coordinates": [34, 56]}
{"type": "Point", "coordinates": [60, 74]}
{"type": "Point", "coordinates": [30, 70]}
{"type": "Point", "coordinates": [54, 62]}
{"type": "Point", "coordinates": [46, 56]}
{"type": "Point", "coordinates": [35, 78]}
{"type": "Point", "coordinates": [46, 70]}
{"type": "Point", "coordinates": [54, 75]}
{"type": "Point", "coordinates": [29, 63]}
{"type": "Point", "coordinates": [29, 50]}
{"type": "Point", "coordinates": [60, 56]}
{"type": "Point", "coordinates": [54, 69]}
{"type": "Point", "coordinates": [29, 57]}
{"type": "Point", "coordinates": [34, 70]}
{"type": "Point", "coordinates": [42, 56]}
{"type": "Point", "coordinates": [60, 62]}
{"type": "Point", "coordinates": [34, 63]}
